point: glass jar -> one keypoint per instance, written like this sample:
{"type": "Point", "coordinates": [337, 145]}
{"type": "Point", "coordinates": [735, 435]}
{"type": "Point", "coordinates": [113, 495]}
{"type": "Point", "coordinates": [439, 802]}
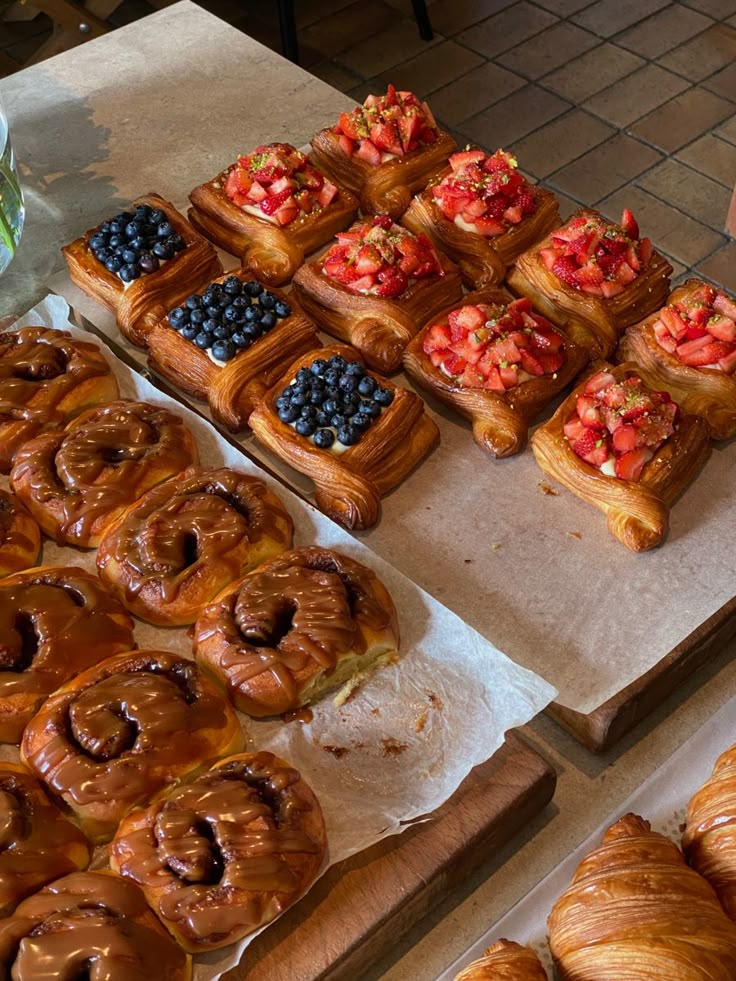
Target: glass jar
{"type": "Point", "coordinates": [12, 211]}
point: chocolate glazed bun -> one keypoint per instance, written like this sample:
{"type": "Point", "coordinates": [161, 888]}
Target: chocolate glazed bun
{"type": "Point", "coordinates": [181, 544]}
{"type": "Point", "coordinates": [221, 856]}
{"type": "Point", "coordinates": [54, 623]}
{"type": "Point", "coordinates": [37, 843]}
{"type": "Point", "coordinates": [301, 624]}
{"type": "Point", "coordinates": [119, 733]}
{"type": "Point", "coordinates": [89, 925]}
{"type": "Point", "coordinates": [20, 536]}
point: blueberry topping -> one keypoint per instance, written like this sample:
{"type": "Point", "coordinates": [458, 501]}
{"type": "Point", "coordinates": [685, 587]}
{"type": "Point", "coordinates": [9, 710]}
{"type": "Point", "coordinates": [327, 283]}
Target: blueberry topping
{"type": "Point", "coordinates": [202, 340]}
{"type": "Point", "coordinates": [324, 438]}
{"type": "Point", "coordinates": [267, 300]}
{"type": "Point", "coordinates": [194, 301]}
{"type": "Point", "coordinates": [138, 242]}
{"type": "Point", "coordinates": [331, 406]}
{"type": "Point", "coordinates": [303, 376]}
{"type": "Point", "coordinates": [371, 409]}
{"type": "Point", "coordinates": [148, 263]}
{"type": "Point", "coordinates": [240, 340]}
{"type": "Point", "coordinates": [305, 427]}
{"type": "Point", "coordinates": [133, 229]}
{"type": "Point", "coordinates": [198, 316]}
{"type": "Point", "coordinates": [298, 400]}
{"type": "Point", "coordinates": [338, 420]}
{"type": "Point", "coordinates": [348, 383]}
{"type": "Point", "coordinates": [241, 302]}
{"type": "Point", "coordinates": [384, 396]}
{"type": "Point", "coordinates": [231, 313]}
{"type": "Point", "coordinates": [316, 396]}
{"type": "Point", "coordinates": [288, 414]}
{"type": "Point", "coordinates": [252, 314]}
{"type": "Point", "coordinates": [115, 241]}
{"type": "Point", "coordinates": [102, 255]}
{"type": "Point", "coordinates": [337, 361]}
{"type": "Point", "coordinates": [318, 367]}
{"type": "Point", "coordinates": [252, 331]}
{"type": "Point", "coordinates": [367, 385]}
{"type": "Point", "coordinates": [281, 402]}
{"type": "Point", "coordinates": [360, 421]}
{"type": "Point", "coordinates": [309, 412]}
{"type": "Point", "coordinates": [253, 288]}
{"type": "Point", "coordinates": [209, 325]}
{"type": "Point", "coordinates": [179, 315]}
{"type": "Point", "coordinates": [348, 435]}
{"type": "Point", "coordinates": [332, 376]}
{"type": "Point", "coordinates": [232, 286]}
{"type": "Point", "coordinates": [97, 241]}
{"type": "Point", "coordinates": [128, 273]}
{"type": "Point", "coordinates": [114, 263]}
{"type": "Point", "coordinates": [163, 250]}
{"type": "Point", "coordinates": [354, 368]}
{"type": "Point", "coordinates": [282, 309]}
{"type": "Point", "coordinates": [221, 333]}
{"type": "Point", "coordinates": [190, 331]}
{"type": "Point", "coordinates": [165, 229]}
{"type": "Point", "coordinates": [322, 418]}
{"type": "Point", "coordinates": [268, 320]}
{"type": "Point", "coordinates": [155, 215]}
{"type": "Point", "coordinates": [223, 350]}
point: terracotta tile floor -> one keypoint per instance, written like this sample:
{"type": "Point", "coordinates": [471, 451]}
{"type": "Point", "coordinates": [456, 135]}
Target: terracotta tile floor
{"type": "Point", "coordinates": [609, 102]}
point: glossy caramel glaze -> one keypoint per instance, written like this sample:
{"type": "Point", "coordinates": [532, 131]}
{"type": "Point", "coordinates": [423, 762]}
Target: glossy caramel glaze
{"type": "Point", "coordinates": [88, 925]}
{"type": "Point", "coordinates": [46, 378]}
{"type": "Point", "coordinates": [219, 857]}
{"type": "Point", "coordinates": [20, 536]}
{"type": "Point", "coordinates": [120, 732]}
{"type": "Point", "coordinates": [37, 843]}
{"type": "Point", "coordinates": [76, 483]}
{"type": "Point", "coordinates": [54, 623]}
{"type": "Point", "coordinates": [187, 539]}
{"type": "Point", "coordinates": [293, 618]}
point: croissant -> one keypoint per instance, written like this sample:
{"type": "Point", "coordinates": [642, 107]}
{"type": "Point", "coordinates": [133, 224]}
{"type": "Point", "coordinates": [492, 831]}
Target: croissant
{"type": "Point", "coordinates": [46, 378]}
{"type": "Point", "coordinates": [384, 172]}
{"type": "Point", "coordinates": [256, 350]}
{"type": "Point", "coordinates": [463, 355]}
{"type": "Point", "coordinates": [169, 260]}
{"type": "Point", "coordinates": [296, 210]}
{"type": "Point", "coordinates": [20, 536]}
{"type": "Point", "coordinates": [596, 298]}
{"type": "Point", "coordinates": [688, 349]}
{"type": "Point", "coordinates": [709, 841]}
{"type": "Point", "coordinates": [482, 246]}
{"type": "Point", "coordinates": [504, 961]}
{"type": "Point", "coordinates": [625, 450]}
{"type": "Point", "coordinates": [379, 312]}
{"type": "Point", "coordinates": [636, 912]}
{"type": "Point", "coordinates": [354, 450]}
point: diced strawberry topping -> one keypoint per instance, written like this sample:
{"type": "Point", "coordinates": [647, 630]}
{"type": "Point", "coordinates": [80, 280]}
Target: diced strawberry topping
{"type": "Point", "coordinates": [486, 193]}
{"type": "Point", "coordinates": [700, 330]}
{"type": "Point", "coordinates": [395, 123]}
{"type": "Point", "coordinates": [504, 344]}
{"type": "Point", "coordinates": [280, 182]}
{"type": "Point", "coordinates": [596, 256]}
{"type": "Point", "coordinates": [622, 424]}
{"type": "Point", "coordinates": [377, 256]}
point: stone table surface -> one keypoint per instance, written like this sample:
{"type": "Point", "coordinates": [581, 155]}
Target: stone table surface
{"type": "Point", "coordinates": [162, 105]}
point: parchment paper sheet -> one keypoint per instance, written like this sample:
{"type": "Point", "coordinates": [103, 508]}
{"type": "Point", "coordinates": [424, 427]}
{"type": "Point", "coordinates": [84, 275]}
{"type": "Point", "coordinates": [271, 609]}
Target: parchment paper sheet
{"type": "Point", "coordinates": [536, 573]}
{"type": "Point", "coordinates": [411, 734]}
{"type": "Point", "coordinates": [662, 800]}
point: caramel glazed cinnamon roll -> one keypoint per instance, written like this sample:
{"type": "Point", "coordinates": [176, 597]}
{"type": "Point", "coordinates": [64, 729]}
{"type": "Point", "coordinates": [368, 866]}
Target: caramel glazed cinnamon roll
{"type": "Point", "coordinates": [301, 624]}
{"type": "Point", "coordinates": [54, 623]}
{"type": "Point", "coordinates": [187, 539]}
{"type": "Point", "coordinates": [117, 734]}
{"type": "Point", "coordinates": [219, 857]}
{"type": "Point", "coordinates": [89, 925]}
{"type": "Point", "coordinates": [77, 482]}
{"type": "Point", "coordinates": [20, 536]}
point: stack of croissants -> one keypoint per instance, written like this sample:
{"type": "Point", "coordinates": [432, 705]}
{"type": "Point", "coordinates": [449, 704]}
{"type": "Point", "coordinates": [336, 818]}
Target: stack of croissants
{"type": "Point", "coordinates": [639, 908]}
{"type": "Point", "coordinates": [142, 750]}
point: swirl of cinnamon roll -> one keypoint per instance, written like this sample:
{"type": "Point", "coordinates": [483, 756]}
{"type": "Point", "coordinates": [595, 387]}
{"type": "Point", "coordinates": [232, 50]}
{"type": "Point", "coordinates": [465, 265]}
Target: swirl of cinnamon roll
{"type": "Point", "coordinates": [46, 378]}
{"type": "Point", "coordinates": [20, 536]}
{"type": "Point", "coordinates": [77, 482]}
{"type": "Point", "coordinates": [37, 843]}
{"type": "Point", "coordinates": [219, 857]}
{"type": "Point", "coordinates": [89, 925]}
{"type": "Point", "coordinates": [299, 625]}
{"type": "Point", "coordinates": [54, 623]}
{"type": "Point", "coordinates": [117, 734]}
{"type": "Point", "coordinates": [183, 542]}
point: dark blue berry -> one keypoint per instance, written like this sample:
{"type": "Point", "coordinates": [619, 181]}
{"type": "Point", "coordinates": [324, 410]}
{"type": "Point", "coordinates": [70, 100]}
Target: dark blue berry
{"type": "Point", "coordinates": [165, 229]}
{"type": "Point", "coordinates": [190, 331]}
{"type": "Point", "coordinates": [102, 255]}
{"type": "Point", "coordinates": [209, 325]}
{"type": "Point", "coordinates": [162, 250]}
{"type": "Point", "coordinates": [222, 333]}
{"type": "Point", "coordinates": [223, 350]}
{"type": "Point", "coordinates": [268, 301]}
{"type": "Point", "coordinates": [148, 263]}
{"type": "Point", "coordinates": [367, 385]}
{"type": "Point", "coordinates": [194, 301]}
{"type": "Point", "coordinates": [333, 392]}
{"type": "Point", "coordinates": [104, 228]}
{"type": "Point", "coordinates": [240, 340]}
{"type": "Point", "coordinates": [317, 367]}
{"type": "Point", "coordinates": [129, 255]}
{"type": "Point", "coordinates": [232, 286]}
{"type": "Point", "coordinates": [303, 376]}
{"type": "Point", "coordinates": [115, 241]}
{"type": "Point", "coordinates": [197, 316]}
{"type": "Point", "coordinates": [231, 313]}
{"type": "Point", "coordinates": [338, 361]}
{"type": "Point", "coordinates": [316, 396]}
{"type": "Point", "coordinates": [281, 402]}
{"type": "Point", "coordinates": [324, 438]}
{"type": "Point", "coordinates": [348, 435]}
{"type": "Point", "coordinates": [348, 383]}
{"type": "Point", "coordinates": [128, 273]}
{"type": "Point", "coordinates": [114, 263]}
{"type": "Point", "coordinates": [298, 400]}
{"type": "Point", "coordinates": [282, 309]}
{"type": "Point", "coordinates": [384, 396]}
{"type": "Point", "coordinates": [137, 244]}
{"type": "Point", "coordinates": [338, 420]}
{"type": "Point", "coordinates": [252, 331]}
{"type": "Point", "coordinates": [154, 215]}
{"type": "Point", "coordinates": [268, 320]}
{"type": "Point", "coordinates": [331, 406]}
{"type": "Point", "coordinates": [253, 288]}
{"type": "Point", "coordinates": [176, 242]}
{"type": "Point", "coordinates": [252, 314]}
{"type": "Point", "coordinates": [322, 418]}
{"type": "Point", "coordinates": [289, 413]}
{"type": "Point", "coordinates": [241, 302]}
{"type": "Point", "coordinates": [309, 412]}
{"type": "Point", "coordinates": [179, 315]}
{"type": "Point", "coordinates": [97, 241]}
{"type": "Point", "coordinates": [133, 229]}
{"type": "Point", "coordinates": [213, 311]}
{"type": "Point", "coordinates": [332, 376]}
{"type": "Point", "coordinates": [360, 421]}
{"type": "Point", "coordinates": [371, 409]}
{"type": "Point", "coordinates": [354, 368]}
{"type": "Point", "coordinates": [203, 340]}
{"type": "Point", "coordinates": [305, 427]}
{"type": "Point", "coordinates": [116, 227]}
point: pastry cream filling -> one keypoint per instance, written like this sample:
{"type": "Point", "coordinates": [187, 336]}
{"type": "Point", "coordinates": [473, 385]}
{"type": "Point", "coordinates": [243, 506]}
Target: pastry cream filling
{"type": "Point", "coordinates": [253, 209]}
{"type": "Point", "coordinates": [609, 467]}
{"type": "Point", "coordinates": [465, 225]}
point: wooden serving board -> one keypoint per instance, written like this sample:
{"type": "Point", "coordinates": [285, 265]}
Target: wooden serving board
{"type": "Point", "coordinates": [357, 911]}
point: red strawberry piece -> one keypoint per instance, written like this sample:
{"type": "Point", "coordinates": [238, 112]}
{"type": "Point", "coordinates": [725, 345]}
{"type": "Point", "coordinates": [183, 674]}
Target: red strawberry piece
{"type": "Point", "coordinates": [521, 304]}
{"type": "Point", "coordinates": [454, 364]}
{"type": "Point", "coordinates": [369, 152]}
{"type": "Point", "coordinates": [665, 339]}
{"type": "Point", "coordinates": [287, 213]}
{"type": "Point", "coordinates": [711, 353]}
{"type": "Point", "coordinates": [635, 406]}
{"type": "Point", "coordinates": [326, 194]}
{"type": "Point", "coordinates": [653, 430]}
{"type": "Point", "coordinates": [529, 363]}
{"type": "Point", "coordinates": [723, 328]}
{"type": "Point", "coordinates": [466, 349]}
{"type": "Point", "coordinates": [458, 161]}
{"type": "Point", "coordinates": [469, 317]}
{"type": "Point", "coordinates": [350, 125]}
{"type": "Point", "coordinates": [393, 282]}
{"type": "Point", "coordinates": [346, 144]}
{"type": "Point", "coordinates": [645, 251]}
{"type": "Point", "coordinates": [502, 350]}
{"type": "Point", "coordinates": [386, 137]}
{"type": "Point", "coordinates": [488, 227]}
{"type": "Point", "coordinates": [509, 376]}
{"type": "Point", "coordinates": [566, 270]}
{"type": "Point", "coordinates": [609, 289]}
{"type": "Point", "coordinates": [368, 260]}
{"type": "Point", "coordinates": [383, 221]}
{"type": "Point", "coordinates": [548, 257]}
{"type": "Point", "coordinates": [363, 285]}
{"type": "Point", "coordinates": [590, 274]}
{"type": "Point", "coordinates": [527, 201]}
{"type": "Point", "coordinates": [473, 209]}
{"type": "Point", "coordinates": [271, 204]}
{"type": "Point", "coordinates": [551, 362]}
{"type": "Point", "coordinates": [513, 214]}
{"type": "Point", "coordinates": [688, 348]}
{"type": "Point", "coordinates": [673, 321]}
{"type": "Point", "coordinates": [589, 412]}
{"type": "Point", "coordinates": [495, 206]}
{"type": "Point", "coordinates": [725, 305]}
{"type": "Point", "coordinates": [630, 465]}
{"type": "Point", "coordinates": [728, 364]}
{"type": "Point", "coordinates": [692, 333]}
{"type": "Point", "coordinates": [574, 428]}
{"type": "Point", "coordinates": [626, 438]}
{"type": "Point", "coordinates": [584, 246]}
{"type": "Point", "coordinates": [629, 224]}
{"type": "Point", "coordinates": [409, 130]}
{"type": "Point", "coordinates": [599, 382]}
{"type": "Point", "coordinates": [472, 378]}
{"type": "Point", "coordinates": [493, 381]}
{"type": "Point", "coordinates": [437, 338]}
{"type": "Point", "coordinates": [592, 449]}
{"type": "Point", "coordinates": [614, 246]}
{"type": "Point", "coordinates": [625, 274]}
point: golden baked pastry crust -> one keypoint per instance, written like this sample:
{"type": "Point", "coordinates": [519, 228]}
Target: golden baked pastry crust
{"type": "Point", "coordinates": [300, 624]}
{"type": "Point", "coordinates": [188, 538]}
{"type": "Point", "coordinates": [55, 621]}
{"type": "Point", "coordinates": [233, 390]}
{"type": "Point", "coordinates": [482, 260]}
{"type": "Point", "coordinates": [272, 252]}
{"type": "Point", "coordinates": [77, 482]}
{"type": "Point", "coordinates": [20, 536]}
{"type": "Point", "coordinates": [102, 762]}
{"type": "Point", "coordinates": [635, 910]}
{"type": "Point", "coordinates": [349, 487]}
{"type": "Point", "coordinates": [389, 187]}
{"type": "Point", "coordinates": [637, 511]}
{"type": "Point", "coordinates": [271, 843]}
{"type": "Point", "coordinates": [88, 918]}
{"type": "Point", "coordinates": [379, 327]}
{"type": "Point", "coordinates": [46, 378]}
{"type": "Point", "coordinates": [703, 392]}
{"type": "Point", "coordinates": [504, 961]}
{"type": "Point", "coordinates": [593, 322]}
{"type": "Point", "coordinates": [500, 421]}
{"type": "Point", "coordinates": [145, 301]}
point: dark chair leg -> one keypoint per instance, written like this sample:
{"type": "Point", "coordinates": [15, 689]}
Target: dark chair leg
{"type": "Point", "coordinates": [423, 23]}
{"type": "Point", "coordinates": [287, 23]}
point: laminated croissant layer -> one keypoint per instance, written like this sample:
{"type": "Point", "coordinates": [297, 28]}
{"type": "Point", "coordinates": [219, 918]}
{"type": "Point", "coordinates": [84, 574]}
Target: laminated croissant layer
{"type": "Point", "coordinates": [482, 260]}
{"type": "Point", "coordinates": [636, 912]}
{"type": "Point", "coordinates": [505, 961]}
{"type": "Point", "coordinates": [637, 511]}
{"type": "Point", "coordinates": [500, 420]}
{"type": "Point", "coordinates": [387, 188]}
{"type": "Point", "coordinates": [141, 304]}
{"type": "Point", "coordinates": [705, 392]}
{"type": "Point", "coordinates": [595, 322]}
